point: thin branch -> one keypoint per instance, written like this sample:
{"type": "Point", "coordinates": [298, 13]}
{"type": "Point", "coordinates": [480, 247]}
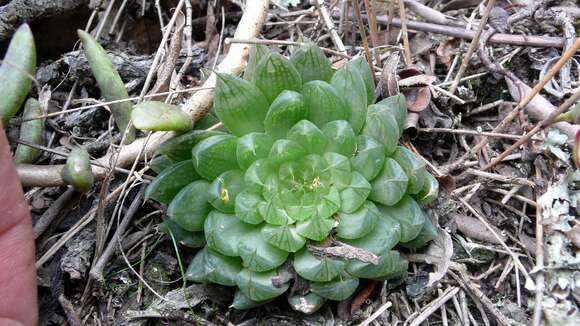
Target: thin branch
{"type": "Point", "coordinates": [403, 17]}
{"type": "Point", "coordinates": [542, 124]}
{"type": "Point", "coordinates": [330, 26]}
{"type": "Point", "coordinates": [363, 34]}
{"type": "Point", "coordinates": [472, 47]}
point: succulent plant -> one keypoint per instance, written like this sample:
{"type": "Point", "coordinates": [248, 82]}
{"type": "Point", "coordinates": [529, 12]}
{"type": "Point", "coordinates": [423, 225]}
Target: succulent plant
{"type": "Point", "coordinates": [305, 162]}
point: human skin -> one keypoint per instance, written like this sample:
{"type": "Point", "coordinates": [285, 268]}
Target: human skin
{"type": "Point", "coordinates": [18, 298]}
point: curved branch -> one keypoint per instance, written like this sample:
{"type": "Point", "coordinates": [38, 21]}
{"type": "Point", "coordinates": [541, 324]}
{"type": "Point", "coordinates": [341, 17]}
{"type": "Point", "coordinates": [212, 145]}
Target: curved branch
{"type": "Point", "coordinates": [197, 106]}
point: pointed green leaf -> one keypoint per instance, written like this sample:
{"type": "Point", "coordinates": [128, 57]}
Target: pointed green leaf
{"type": "Point", "coordinates": [285, 150]}
{"type": "Point", "coordinates": [31, 131]}
{"type": "Point", "coordinates": [328, 204]}
{"type": "Point", "coordinates": [242, 302]}
{"type": "Point", "coordinates": [350, 84]}
{"type": "Point", "coordinates": [179, 148]}
{"type": "Point", "coordinates": [246, 208]}
{"type": "Point", "coordinates": [284, 237]}
{"type": "Point", "coordinates": [209, 120]}
{"type": "Point", "coordinates": [430, 190]}
{"type": "Point", "coordinates": [224, 189]}
{"type": "Point", "coordinates": [182, 236]}
{"type": "Point", "coordinates": [214, 156]}
{"type": "Point", "coordinates": [391, 265]}
{"type": "Point", "coordinates": [339, 168]}
{"type": "Point", "coordinates": [189, 208]}
{"type": "Point", "coordinates": [223, 232]}
{"type": "Point", "coordinates": [408, 213]}
{"type": "Point", "coordinates": [311, 63]}
{"type": "Point", "coordinates": [257, 52]}
{"type": "Point", "coordinates": [160, 163]}
{"type": "Point", "coordinates": [257, 286]}
{"type": "Point", "coordinates": [363, 68]}
{"type": "Point", "coordinates": [273, 213]}
{"type": "Point", "coordinates": [384, 236]}
{"type": "Point", "coordinates": [316, 269]}
{"type": "Point", "coordinates": [358, 224]}
{"type": "Point", "coordinates": [369, 158]}
{"type": "Point", "coordinates": [309, 136]}
{"type": "Point", "coordinates": [428, 233]}
{"type": "Point", "coordinates": [252, 147]}
{"type": "Point", "coordinates": [17, 65]}
{"type": "Point", "coordinates": [286, 110]}
{"type": "Point", "coordinates": [382, 127]}
{"type": "Point", "coordinates": [221, 269]}
{"type": "Point", "coordinates": [273, 74]}
{"type": "Point", "coordinates": [414, 168]}
{"type": "Point", "coordinates": [258, 255]}
{"type": "Point", "coordinates": [159, 116]}
{"type": "Point", "coordinates": [315, 228]}
{"type": "Point", "coordinates": [353, 196]}
{"type": "Point", "coordinates": [341, 137]}
{"type": "Point", "coordinates": [398, 108]}
{"type": "Point", "coordinates": [256, 175]}
{"type": "Point", "coordinates": [324, 102]}
{"type": "Point", "coordinates": [239, 105]}
{"type": "Point", "coordinates": [308, 303]}
{"type": "Point", "coordinates": [109, 81]}
{"type": "Point", "coordinates": [170, 181]}
{"type": "Point", "coordinates": [341, 288]}
{"type": "Point", "coordinates": [77, 171]}
{"type": "Point", "coordinates": [390, 185]}
{"type": "Point", "coordinates": [196, 271]}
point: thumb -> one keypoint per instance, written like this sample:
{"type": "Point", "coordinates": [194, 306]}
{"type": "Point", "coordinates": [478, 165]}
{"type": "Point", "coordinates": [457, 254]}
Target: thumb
{"type": "Point", "coordinates": [10, 322]}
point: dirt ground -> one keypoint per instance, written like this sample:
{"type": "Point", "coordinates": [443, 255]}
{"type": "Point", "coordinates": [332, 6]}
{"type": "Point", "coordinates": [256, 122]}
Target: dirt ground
{"type": "Point", "coordinates": [481, 82]}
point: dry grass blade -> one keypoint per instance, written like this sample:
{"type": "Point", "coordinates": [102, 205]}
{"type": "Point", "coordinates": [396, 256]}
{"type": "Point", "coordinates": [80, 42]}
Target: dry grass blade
{"type": "Point", "coordinates": [434, 305]}
{"type": "Point", "coordinates": [407, 47]}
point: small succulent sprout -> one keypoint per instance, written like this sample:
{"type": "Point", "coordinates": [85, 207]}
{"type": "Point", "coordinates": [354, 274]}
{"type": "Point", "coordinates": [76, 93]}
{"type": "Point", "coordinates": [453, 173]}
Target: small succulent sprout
{"type": "Point", "coordinates": [110, 83]}
{"type": "Point", "coordinates": [159, 116]}
{"type": "Point", "coordinates": [77, 171]}
{"type": "Point", "coordinates": [302, 165]}
{"type": "Point", "coordinates": [16, 72]}
{"type": "Point", "coordinates": [30, 131]}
